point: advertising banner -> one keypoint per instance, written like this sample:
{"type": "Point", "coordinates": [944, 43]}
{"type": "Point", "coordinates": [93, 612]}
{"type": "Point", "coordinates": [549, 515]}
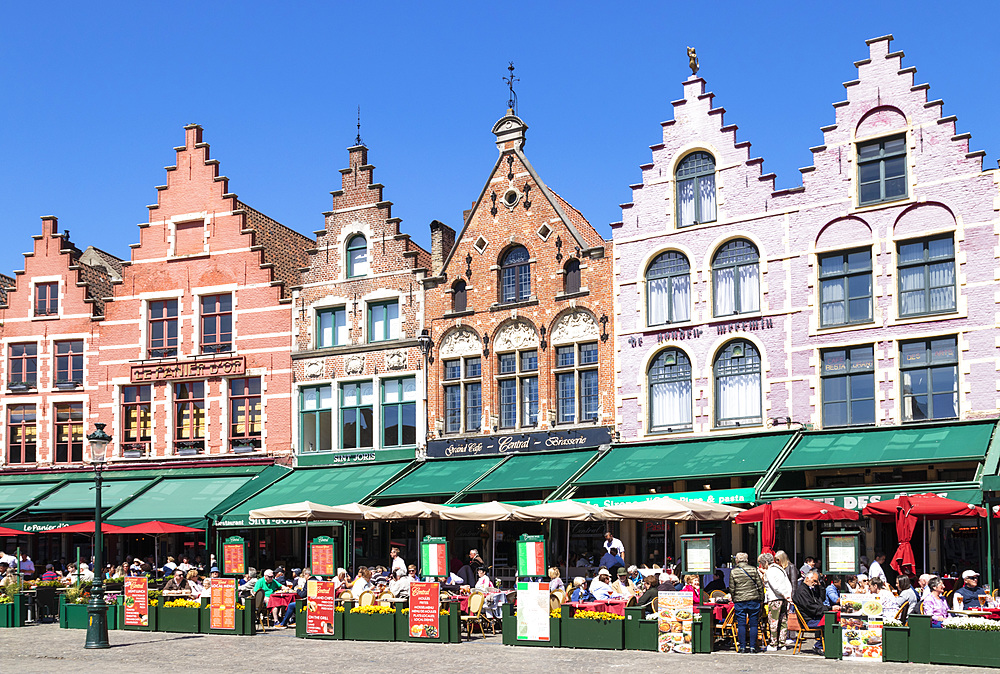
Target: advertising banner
{"type": "Point", "coordinates": [861, 626]}
{"type": "Point", "coordinates": [434, 557]}
{"type": "Point", "coordinates": [425, 606]}
{"type": "Point", "coordinates": [675, 615]}
{"type": "Point", "coordinates": [322, 556]}
{"type": "Point", "coordinates": [533, 611]}
{"type": "Point", "coordinates": [320, 606]}
{"type": "Point", "coordinates": [136, 602]}
{"type": "Point", "coordinates": [222, 605]}
{"type": "Point", "coordinates": [531, 556]}
{"type": "Point", "coordinates": [234, 556]}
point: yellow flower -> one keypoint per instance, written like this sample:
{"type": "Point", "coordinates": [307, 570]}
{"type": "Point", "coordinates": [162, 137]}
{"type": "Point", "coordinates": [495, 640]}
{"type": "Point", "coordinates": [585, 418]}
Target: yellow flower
{"type": "Point", "coordinates": [373, 609]}
{"type": "Point", "coordinates": [597, 615]}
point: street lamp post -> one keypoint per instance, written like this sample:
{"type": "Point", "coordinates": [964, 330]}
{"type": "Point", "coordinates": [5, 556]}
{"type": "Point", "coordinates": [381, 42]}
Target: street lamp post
{"type": "Point", "coordinates": [97, 625]}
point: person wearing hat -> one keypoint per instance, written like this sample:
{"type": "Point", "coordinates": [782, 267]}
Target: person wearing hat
{"type": "Point", "coordinates": [967, 596]}
{"type": "Point", "coordinates": [601, 587]}
{"type": "Point", "coordinates": [580, 591]}
{"type": "Point", "coordinates": [269, 585]}
{"type": "Point", "coordinates": [624, 585]}
{"type": "Point", "coordinates": [50, 573]}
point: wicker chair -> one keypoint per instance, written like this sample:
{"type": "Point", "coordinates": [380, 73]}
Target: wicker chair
{"type": "Point", "coordinates": [366, 598]}
{"type": "Point", "coordinates": [475, 617]}
{"type": "Point", "coordinates": [383, 596]}
{"type": "Point", "coordinates": [727, 628]}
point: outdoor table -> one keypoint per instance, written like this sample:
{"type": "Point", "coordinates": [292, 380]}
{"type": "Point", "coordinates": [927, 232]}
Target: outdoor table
{"type": "Point", "coordinates": [616, 606]}
{"type": "Point", "coordinates": [281, 599]}
{"type": "Point", "coordinates": [721, 611]}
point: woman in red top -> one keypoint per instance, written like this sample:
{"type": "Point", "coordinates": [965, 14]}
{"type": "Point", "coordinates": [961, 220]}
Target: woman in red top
{"type": "Point", "coordinates": [692, 584]}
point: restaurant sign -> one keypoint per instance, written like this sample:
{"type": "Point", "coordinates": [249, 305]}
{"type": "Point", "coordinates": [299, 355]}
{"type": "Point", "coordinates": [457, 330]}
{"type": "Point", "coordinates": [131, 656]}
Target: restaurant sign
{"type": "Point", "coordinates": [202, 368]}
{"type": "Point", "coordinates": [724, 496]}
{"type": "Point", "coordinates": [858, 501]}
{"type": "Point", "coordinates": [480, 445]}
{"type": "Point", "coordinates": [38, 527]}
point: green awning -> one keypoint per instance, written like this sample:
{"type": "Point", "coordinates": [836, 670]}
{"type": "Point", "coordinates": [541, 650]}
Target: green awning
{"type": "Point", "coordinates": [80, 495]}
{"type": "Point", "coordinates": [726, 456]}
{"type": "Point", "coordinates": [329, 485]}
{"type": "Point", "coordinates": [891, 446]}
{"type": "Point", "coordinates": [184, 501]}
{"type": "Point", "coordinates": [13, 495]}
{"type": "Point", "coordinates": [531, 472]}
{"type": "Point", "coordinates": [443, 477]}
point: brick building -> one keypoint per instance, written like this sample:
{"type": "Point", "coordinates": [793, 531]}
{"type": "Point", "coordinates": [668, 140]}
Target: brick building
{"type": "Point", "coordinates": [357, 316]}
{"type": "Point", "coordinates": [858, 307]}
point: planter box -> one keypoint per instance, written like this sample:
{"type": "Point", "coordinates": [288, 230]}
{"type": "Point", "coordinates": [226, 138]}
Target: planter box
{"type": "Point", "coordinates": [895, 644]}
{"type": "Point", "coordinates": [184, 620]}
{"type": "Point", "coordinates": [363, 627]}
{"type": "Point", "coordinates": [702, 637]}
{"type": "Point", "coordinates": [508, 631]}
{"type": "Point", "coordinates": [640, 634]}
{"type": "Point", "coordinates": [833, 642]}
{"type": "Point", "coordinates": [951, 647]}
{"type": "Point", "coordinates": [300, 624]}
{"type": "Point", "coordinates": [450, 627]}
{"type": "Point", "coordinates": [604, 634]}
{"type": "Point", "coordinates": [151, 627]}
{"type": "Point", "coordinates": [73, 616]}
{"type": "Point", "coordinates": [14, 614]}
{"type": "Point", "coordinates": [244, 622]}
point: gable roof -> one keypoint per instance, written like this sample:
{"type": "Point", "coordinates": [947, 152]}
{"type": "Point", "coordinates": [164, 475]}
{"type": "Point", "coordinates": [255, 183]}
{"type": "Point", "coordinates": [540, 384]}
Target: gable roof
{"type": "Point", "coordinates": [284, 249]}
{"type": "Point", "coordinates": [6, 282]}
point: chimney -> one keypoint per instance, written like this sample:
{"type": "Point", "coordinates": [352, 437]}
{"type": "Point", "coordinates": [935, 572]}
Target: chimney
{"type": "Point", "coordinates": [467, 213]}
{"type": "Point", "coordinates": [50, 225]}
{"type": "Point", "coordinates": [442, 241]}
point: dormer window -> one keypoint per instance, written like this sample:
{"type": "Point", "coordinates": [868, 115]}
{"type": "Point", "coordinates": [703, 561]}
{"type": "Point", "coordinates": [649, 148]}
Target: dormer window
{"type": "Point", "coordinates": [515, 275]}
{"type": "Point", "coordinates": [357, 256]}
{"type": "Point", "coordinates": [696, 189]}
{"type": "Point", "coordinates": [882, 170]}
{"type": "Point", "coordinates": [47, 299]}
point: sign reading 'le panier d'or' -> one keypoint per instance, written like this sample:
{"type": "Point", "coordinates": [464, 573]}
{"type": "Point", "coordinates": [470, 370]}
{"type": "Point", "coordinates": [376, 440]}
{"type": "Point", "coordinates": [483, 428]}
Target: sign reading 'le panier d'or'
{"type": "Point", "coordinates": [579, 438]}
{"type": "Point", "coordinates": [189, 369]}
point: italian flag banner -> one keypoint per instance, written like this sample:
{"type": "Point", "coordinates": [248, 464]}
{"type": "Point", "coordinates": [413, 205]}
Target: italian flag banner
{"type": "Point", "coordinates": [434, 557]}
{"type": "Point", "coordinates": [531, 556]}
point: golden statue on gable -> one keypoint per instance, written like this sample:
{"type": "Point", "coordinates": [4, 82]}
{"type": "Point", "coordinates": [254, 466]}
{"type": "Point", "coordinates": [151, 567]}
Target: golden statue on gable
{"type": "Point", "coordinates": [693, 60]}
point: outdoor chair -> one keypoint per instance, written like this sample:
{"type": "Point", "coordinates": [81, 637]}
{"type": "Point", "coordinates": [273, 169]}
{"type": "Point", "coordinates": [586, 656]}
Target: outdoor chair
{"type": "Point", "coordinates": [903, 612]}
{"type": "Point", "coordinates": [716, 594]}
{"type": "Point", "coordinates": [366, 598]}
{"type": "Point", "coordinates": [555, 603]}
{"type": "Point", "coordinates": [346, 595]}
{"type": "Point", "coordinates": [383, 597]}
{"type": "Point", "coordinates": [260, 609]}
{"type": "Point", "coordinates": [727, 628]}
{"type": "Point", "coordinates": [802, 629]}
{"type": "Point", "coordinates": [475, 617]}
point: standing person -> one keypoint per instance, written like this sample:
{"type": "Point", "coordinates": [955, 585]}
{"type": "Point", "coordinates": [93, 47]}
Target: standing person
{"type": "Point", "coordinates": [611, 542]}
{"type": "Point", "coordinates": [27, 566]}
{"type": "Point", "coordinates": [612, 561]}
{"type": "Point", "coordinates": [809, 565]}
{"type": "Point", "coordinates": [875, 570]}
{"type": "Point", "coordinates": [778, 595]}
{"type": "Point", "coordinates": [397, 562]}
{"type": "Point", "coordinates": [747, 589]}
{"type": "Point", "coordinates": [809, 603]}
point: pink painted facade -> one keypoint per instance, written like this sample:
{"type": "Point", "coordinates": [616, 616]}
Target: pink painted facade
{"type": "Point", "coordinates": [943, 195]}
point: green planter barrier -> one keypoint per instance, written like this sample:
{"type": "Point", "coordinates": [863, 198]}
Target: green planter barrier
{"type": "Point", "coordinates": [450, 627]}
{"type": "Point", "coordinates": [245, 625]}
{"type": "Point", "coordinates": [300, 623]}
{"type": "Point", "coordinates": [73, 616]}
{"type": "Point", "coordinates": [702, 637]}
{"type": "Point", "coordinates": [508, 631]}
{"type": "Point", "coordinates": [178, 619]}
{"type": "Point", "coordinates": [640, 634]}
{"type": "Point", "coordinates": [895, 644]}
{"type": "Point", "coordinates": [14, 614]}
{"type": "Point", "coordinates": [364, 627]}
{"type": "Point", "coordinates": [833, 642]}
{"type": "Point", "coordinates": [151, 627]}
{"type": "Point", "coordinates": [582, 633]}
{"type": "Point", "coordinates": [951, 647]}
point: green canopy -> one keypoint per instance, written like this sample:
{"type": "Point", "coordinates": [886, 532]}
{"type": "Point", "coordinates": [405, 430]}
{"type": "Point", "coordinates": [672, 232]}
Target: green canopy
{"type": "Point", "coordinates": [80, 495]}
{"type": "Point", "coordinates": [442, 477]}
{"type": "Point", "coordinates": [13, 495]}
{"type": "Point", "coordinates": [724, 456]}
{"type": "Point", "coordinates": [532, 472]}
{"type": "Point", "coordinates": [183, 501]}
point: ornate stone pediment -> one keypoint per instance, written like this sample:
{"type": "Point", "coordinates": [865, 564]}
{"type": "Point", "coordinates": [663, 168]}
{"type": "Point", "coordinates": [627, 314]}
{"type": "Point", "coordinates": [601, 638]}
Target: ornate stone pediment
{"type": "Point", "coordinates": [313, 368]}
{"type": "Point", "coordinates": [514, 336]}
{"type": "Point", "coordinates": [574, 327]}
{"type": "Point", "coordinates": [354, 364]}
{"type": "Point", "coordinates": [395, 360]}
{"type": "Point", "coordinates": [461, 342]}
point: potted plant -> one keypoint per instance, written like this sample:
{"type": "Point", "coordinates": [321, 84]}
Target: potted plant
{"type": "Point", "coordinates": [133, 450]}
{"type": "Point", "coordinates": [73, 608]}
{"type": "Point", "coordinates": [179, 615]}
{"type": "Point", "coordinates": [895, 641]}
{"type": "Point", "coordinates": [370, 623]}
{"type": "Point", "coordinates": [189, 447]}
{"type": "Point", "coordinates": [19, 386]}
{"type": "Point", "coordinates": [66, 384]}
{"type": "Point", "coordinates": [593, 629]}
{"type": "Point", "coordinates": [13, 608]}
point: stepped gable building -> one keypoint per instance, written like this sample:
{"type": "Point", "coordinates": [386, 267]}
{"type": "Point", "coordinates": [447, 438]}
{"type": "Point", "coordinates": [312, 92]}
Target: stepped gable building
{"type": "Point", "coordinates": [519, 312]}
{"type": "Point", "coordinates": [50, 319]}
{"type": "Point", "coordinates": [859, 306]}
{"type": "Point", "coordinates": [358, 313]}
{"type": "Point", "coordinates": [195, 353]}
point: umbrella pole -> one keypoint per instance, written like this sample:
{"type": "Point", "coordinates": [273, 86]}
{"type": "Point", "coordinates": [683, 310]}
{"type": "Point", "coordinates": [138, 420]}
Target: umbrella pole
{"type": "Point", "coordinates": [567, 549]}
{"type": "Point", "coordinates": [306, 535]}
{"type": "Point", "coordinates": [493, 550]}
{"type": "Point", "coordinates": [419, 550]}
{"type": "Point", "coordinates": [664, 542]}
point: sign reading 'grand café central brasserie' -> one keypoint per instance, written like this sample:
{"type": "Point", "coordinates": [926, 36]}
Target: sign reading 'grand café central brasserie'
{"type": "Point", "coordinates": [519, 442]}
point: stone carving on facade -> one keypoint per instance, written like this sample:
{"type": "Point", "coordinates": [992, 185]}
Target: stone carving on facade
{"type": "Point", "coordinates": [395, 360]}
{"type": "Point", "coordinates": [461, 342]}
{"type": "Point", "coordinates": [575, 326]}
{"type": "Point", "coordinates": [313, 368]}
{"type": "Point", "coordinates": [354, 364]}
{"type": "Point", "coordinates": [515, 336]}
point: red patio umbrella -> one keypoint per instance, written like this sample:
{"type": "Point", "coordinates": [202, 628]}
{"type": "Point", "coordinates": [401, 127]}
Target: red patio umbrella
{"type": "Point", "coordinates": [790, 509]}
{"type": "Point", "coordinates": [4, 531]}
{"type": "Point", "coordinates": [86, 528]}
{"type": "Point", "coordinates": [156, 527]}
{"type": "Point", "coordinates": [905, 524]}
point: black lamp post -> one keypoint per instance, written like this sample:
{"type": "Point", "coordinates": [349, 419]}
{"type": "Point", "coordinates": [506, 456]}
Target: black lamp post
{"type": "Point", "coordinates": [97, 626]}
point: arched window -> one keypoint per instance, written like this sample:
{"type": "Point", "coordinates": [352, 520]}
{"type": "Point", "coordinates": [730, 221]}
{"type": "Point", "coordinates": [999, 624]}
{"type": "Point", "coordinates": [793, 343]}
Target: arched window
{"type": "Point", "coordinates": [515, 275]}
{"type": "Point", "coordinates": [736, 278]}
{"type": "Point", "coordinates": [737, 385]}
{"type": "Point", "coordinates": [668, 289]}
{"type": "Point", "coordinates": [670, 392]}
{"type": "Point", "coordinates": [357, 256]}
{"type": "Point", "coordinates": [571, 276]}
{"type": "Point", "coordinates": [696, 189]}
{"type": "Point", "coordinates": [458, 297]}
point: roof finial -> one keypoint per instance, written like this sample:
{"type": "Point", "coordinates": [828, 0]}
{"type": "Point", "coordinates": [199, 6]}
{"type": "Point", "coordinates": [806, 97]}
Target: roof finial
{"type": "Point", "coordinates": [510, 79]}
{"type": "Point", "coordinates": [357, 139]}
{"type": "Point", "coordinates": [693, 61]}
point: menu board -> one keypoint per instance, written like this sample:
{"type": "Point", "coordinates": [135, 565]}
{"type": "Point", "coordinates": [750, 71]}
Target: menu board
{"type": "Point", "coordinates": [675, 616]}
{"type": "Point", "coordinates": [425, 605]}
{"type": "Point", "coordinates": [136, 602]}
{"type": "Point", "coordinates": [533, 611]}
{"type": "Point", "coordinates": [234, 556]}
{"type": "Point", "coordinates": [222, 604]}
{"type": "Point", "coordinates": [320, 606]}
{"type": "Point", "coordinates": [434, 557]}
{"type": "Point", "coordinates": [840, 553]}
{"type": "Point", "coordinates": [698, 553]}
{"type": "Point", "coordinates": [861, 626]}
{"type": "Point", "coordinates": [322, 556]}
{"type": "Point", "coordinates": [531, 556]}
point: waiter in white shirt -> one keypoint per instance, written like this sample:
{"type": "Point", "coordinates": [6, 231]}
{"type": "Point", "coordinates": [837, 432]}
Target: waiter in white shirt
{"type": "Point", "coordinates": [875, 570]}
{"type": "Point", "coordinates": [397, 562]}
{"type": "Point", "coordinates": [611, 542]}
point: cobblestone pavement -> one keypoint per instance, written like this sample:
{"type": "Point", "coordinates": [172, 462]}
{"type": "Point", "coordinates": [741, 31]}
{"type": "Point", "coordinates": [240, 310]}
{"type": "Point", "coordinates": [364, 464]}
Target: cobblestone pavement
{"type": "Point", "coordinates": [46, 648]}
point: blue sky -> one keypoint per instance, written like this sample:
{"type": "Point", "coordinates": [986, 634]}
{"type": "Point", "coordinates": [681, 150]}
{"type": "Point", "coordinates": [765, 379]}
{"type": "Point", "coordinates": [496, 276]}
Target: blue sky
{"type": "Point", "coordinates": [93, 96]}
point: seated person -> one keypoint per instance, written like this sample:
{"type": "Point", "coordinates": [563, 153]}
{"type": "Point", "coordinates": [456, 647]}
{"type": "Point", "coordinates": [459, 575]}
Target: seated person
{"type": "Point", "coordinates": [301, 592]}
{"type": "Point", "coordinates": [612, 561]}
{"type": "Point", "coordinates": [177, 585]}
{"type": "Point", "coordinates": [935, 604]}
{"type": "Point", "coordinates": [718, 582]}
{"type": "Point", "coordinates": [483, 581]}
{"type": "Point", "coordinates": [967, 596]}
{"type": "Point", "coordinates": [269, 585]}
{"type": "Point", "coordinates": [624, 585]}
{"type": "Point", "coordinates": [601, 587]}
{"type": "Point", "coordinates": [666, 583]}
{"type": "Point", "coordinates": [832, 597]}
{"type": "Point", "coordinates": [50, 574]}
{"type": "Point", "coordinates": [692, 584]}
{"type": "Point", "coordinates": [808, 603]}
{"type": "Point", "coordinates": [194, 583]}
{"type": "Point", "coordinates": [555, 582]}
{"type": "Point", "coordinates": [400, 585]}
{"type": "Point", "coordinates": [907, 595]}
{"type": "Point", "coordinates": [580, 591]}
{"type": "Point", "coordinates": [651, 591]}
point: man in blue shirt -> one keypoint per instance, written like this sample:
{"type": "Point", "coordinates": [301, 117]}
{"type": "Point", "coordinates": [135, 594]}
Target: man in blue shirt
{"type": "Point", "coordinates": [833, 593]}
{"type": "Point", "coordinates": [967, 596]}
{"type": "Point", "coordinates": [612, 561]}
{"type": "Point", "coordinates": [580, 591]}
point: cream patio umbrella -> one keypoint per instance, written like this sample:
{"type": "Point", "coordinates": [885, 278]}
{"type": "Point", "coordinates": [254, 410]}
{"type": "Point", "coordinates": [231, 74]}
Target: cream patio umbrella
{"type": "Point", "coordinates": [411, 510]}
{"type": "Point", "coordinates": [564, 510]}
{"type": "Point", "coordinates": [494, 511]}
{"type": "Point", "coordinates": [308, 511]}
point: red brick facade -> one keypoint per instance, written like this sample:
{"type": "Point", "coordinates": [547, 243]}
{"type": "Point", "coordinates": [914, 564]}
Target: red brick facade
{"type": "Point", "coordinates": [517, 213]}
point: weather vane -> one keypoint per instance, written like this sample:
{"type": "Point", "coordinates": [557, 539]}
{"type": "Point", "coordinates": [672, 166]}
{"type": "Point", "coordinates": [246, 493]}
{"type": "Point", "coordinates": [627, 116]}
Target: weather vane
{"type": "Point", "coordinates": [357, 139]}
{"type": "Point", "coordinates": [692, 60]}
{"type": "Point", "coordinates": [510, 79]}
